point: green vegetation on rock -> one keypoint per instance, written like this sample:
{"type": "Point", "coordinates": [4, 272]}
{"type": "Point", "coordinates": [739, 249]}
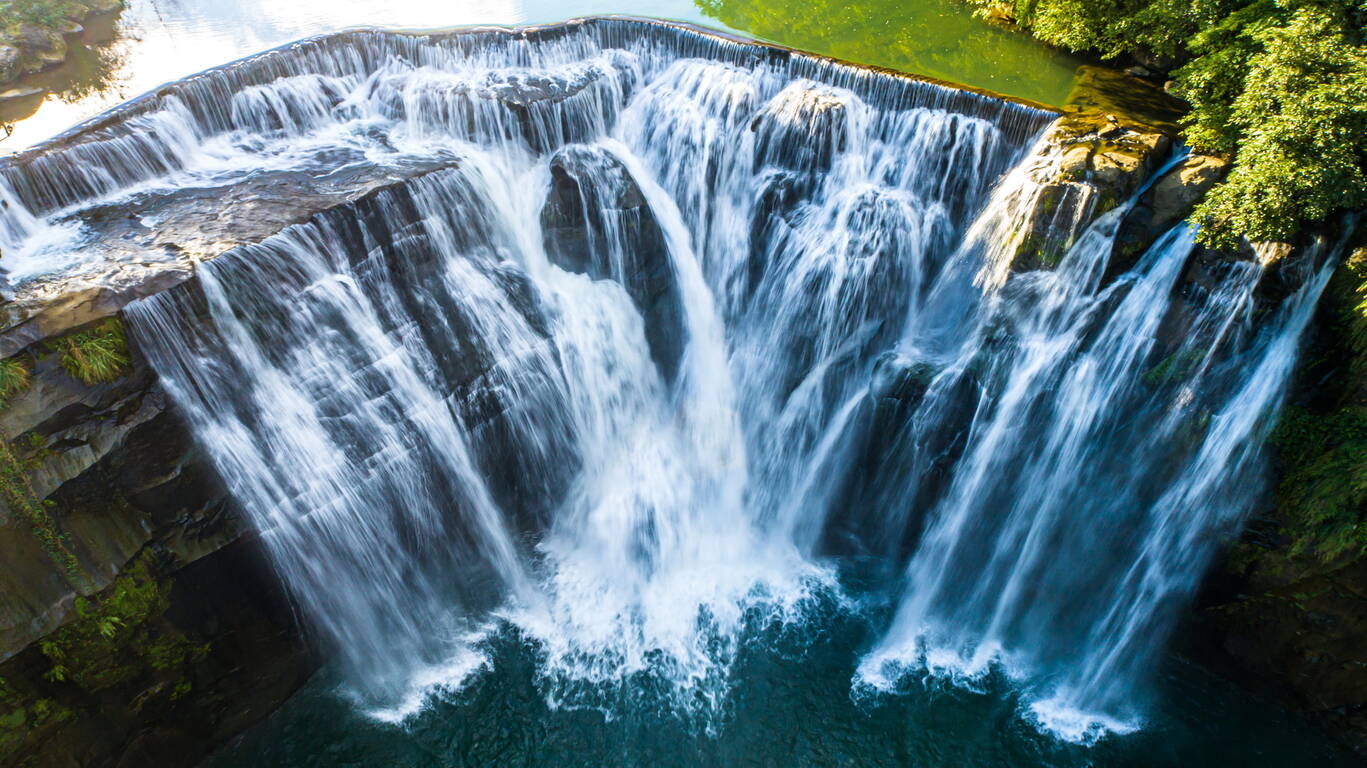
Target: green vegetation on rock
{"type": "Point", "coordinates": [42, 13]}
{"type": "Point", "coordinates": [1325, 483]}
{"type": "Point", "coordinates": [1322, 495]}
{"type": "Point", "coordinates": [118, 651]}
{"type": "Point", "coordinates": [96, 355]}
{"type": "Point", "coordinates": [22, 716]}
{"type": "Point", "coordinates": [1279, 85]}
{"type": "Point", "coordinates": [113, 638]}
{"type": "Point", "coordinates": [32, 32]}
{"type": "Point", "coordinates": [14, 378]}
{"type": "Point", "coordinates": [17, 494]}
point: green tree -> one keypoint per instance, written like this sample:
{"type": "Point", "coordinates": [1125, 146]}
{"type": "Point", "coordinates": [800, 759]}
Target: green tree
{"type": "Point", "coordinates": [1278, 85]}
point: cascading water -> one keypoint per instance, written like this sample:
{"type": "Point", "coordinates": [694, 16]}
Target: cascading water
{"type": "Point", "coordinates": [642, 335]}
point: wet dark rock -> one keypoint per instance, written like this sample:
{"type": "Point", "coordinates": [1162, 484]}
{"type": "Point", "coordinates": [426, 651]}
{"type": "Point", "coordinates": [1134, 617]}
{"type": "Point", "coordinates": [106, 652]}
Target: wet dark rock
{"type": "Point", "coordinates": [154, 241]}
{"type": "Point", "coordinates": [557, 107]}
{"type": "Point", "coordinates": [524, 89]}
{"type": "Point", "coordinates": [596, 222]}
{"type": "Point", "coordinates": [1134, 101]}
{"type": "Point", "coordinates": [1285, 613]}
{"type": "Point", "coordinates": [18, 93]}
{"type": "Point", "coordinates": [130, 493]}
{"type": "Point", "coordinates": [803, 128]}
{"type": "Point", "coordinates": [877, 518]}
{"type": "Point", "coordinates": [779, 198]}
{"type": "Point", "coordinates": [225, 612]}
{"type": "Point", "coordinates": [901, 381]}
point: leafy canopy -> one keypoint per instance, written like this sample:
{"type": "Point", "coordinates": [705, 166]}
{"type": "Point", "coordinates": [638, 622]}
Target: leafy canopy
{"type": "Point", "coordinates": [1279, 85]}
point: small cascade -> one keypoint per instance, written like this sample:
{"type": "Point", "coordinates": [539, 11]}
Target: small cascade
{"type": "Point", "coordinates": [629, 340]}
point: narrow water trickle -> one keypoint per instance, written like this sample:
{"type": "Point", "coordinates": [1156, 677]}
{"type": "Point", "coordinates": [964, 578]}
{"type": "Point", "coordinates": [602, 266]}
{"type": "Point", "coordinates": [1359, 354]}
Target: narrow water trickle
{"type": "Point", "coordinates": [628, 343]}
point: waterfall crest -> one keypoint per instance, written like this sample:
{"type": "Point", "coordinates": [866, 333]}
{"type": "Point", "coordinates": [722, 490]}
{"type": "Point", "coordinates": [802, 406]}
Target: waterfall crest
{"type": "Point", "coordinates": [631, 342]}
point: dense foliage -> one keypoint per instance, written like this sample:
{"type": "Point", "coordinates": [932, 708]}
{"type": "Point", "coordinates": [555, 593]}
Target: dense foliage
{"type": "Point", "coordinates": [1279, 85]}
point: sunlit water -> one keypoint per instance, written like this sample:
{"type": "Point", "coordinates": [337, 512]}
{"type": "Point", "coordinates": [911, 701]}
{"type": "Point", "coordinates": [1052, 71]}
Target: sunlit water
{"type": "Point", "coordinates": [155, 41]}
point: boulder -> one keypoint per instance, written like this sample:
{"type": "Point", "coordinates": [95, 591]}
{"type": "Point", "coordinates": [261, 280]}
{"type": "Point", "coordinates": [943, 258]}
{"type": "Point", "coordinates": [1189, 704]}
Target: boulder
{"type": "Point", "coordinates": [1087, 163]}
{"type": "Point", "coordinates": [803, 128]}
{"type": "Point", "coordinates": [557, 106]}
{"type": "Point", "coordinates": [9, 62]}
{"type": "Point", "coordinates": [41, 48]}
{"type": "Point", "coordinates": [1167, 201]}
{"type": "Point", "coordinates": [596, 222]}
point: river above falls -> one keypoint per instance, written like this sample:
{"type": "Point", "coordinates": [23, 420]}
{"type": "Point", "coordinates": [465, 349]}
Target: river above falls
{"type": "Point", "coordinates": [152, 42]}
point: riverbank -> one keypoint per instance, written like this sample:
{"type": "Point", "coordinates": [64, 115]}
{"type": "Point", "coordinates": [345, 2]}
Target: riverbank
{"type": "Point", "coordinates": [33, 36]}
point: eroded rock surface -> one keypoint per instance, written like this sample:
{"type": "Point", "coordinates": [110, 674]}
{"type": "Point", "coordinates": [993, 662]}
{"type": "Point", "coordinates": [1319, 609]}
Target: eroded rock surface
{"type": "Point", "coordinates": [596, 222]}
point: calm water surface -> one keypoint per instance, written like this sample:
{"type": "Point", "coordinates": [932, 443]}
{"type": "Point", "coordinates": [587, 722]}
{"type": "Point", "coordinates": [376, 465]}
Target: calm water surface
{"type": "Point", "coordinates": [155, 41]}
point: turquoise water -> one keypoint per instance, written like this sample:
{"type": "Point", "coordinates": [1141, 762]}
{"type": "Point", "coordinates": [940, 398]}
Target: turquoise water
{"type": "Point", "coordinates": [791, 704]}
{"type": "Point", "coordinates": [156, 41]}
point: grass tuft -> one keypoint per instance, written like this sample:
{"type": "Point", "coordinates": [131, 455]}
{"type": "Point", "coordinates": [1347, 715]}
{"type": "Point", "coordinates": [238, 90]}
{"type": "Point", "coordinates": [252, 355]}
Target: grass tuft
{"type": "Point", "coordinates": [15, 377]}
{"type": "Point", "coordinates": [97, 355]}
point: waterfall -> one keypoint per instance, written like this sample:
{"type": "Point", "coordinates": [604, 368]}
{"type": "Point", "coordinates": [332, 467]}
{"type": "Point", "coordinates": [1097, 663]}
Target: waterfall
{"type": "Point", "coordinates": [624, 338]}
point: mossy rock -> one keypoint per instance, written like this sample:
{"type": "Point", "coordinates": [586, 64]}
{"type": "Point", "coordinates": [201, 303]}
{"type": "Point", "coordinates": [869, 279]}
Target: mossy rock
{"type": "Point", "coordinates": [1103, 90]}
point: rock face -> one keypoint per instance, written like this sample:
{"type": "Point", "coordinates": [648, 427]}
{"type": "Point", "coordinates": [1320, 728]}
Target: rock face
{"type": "Point", "coordinates": [1169, 200]}
{"type": "Point", "coordinates": [596, 222]}
{"type": "Point", "coordinates": [1093, 162]}
{"type": "Point", "coordinates": [1288, 610]}
{"type": "Point", "coordinates": [802, 129]}
{"type": "Point", "coordinates": [1116, 132]}
{"type": "Point", "coordinates": [147, 630]}
{"type": "Point", "coordinates": [137, 623]}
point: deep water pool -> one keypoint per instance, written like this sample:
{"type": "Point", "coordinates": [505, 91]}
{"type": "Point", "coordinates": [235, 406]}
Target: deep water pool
{"type": "Point", "coordinates": [790, 703]}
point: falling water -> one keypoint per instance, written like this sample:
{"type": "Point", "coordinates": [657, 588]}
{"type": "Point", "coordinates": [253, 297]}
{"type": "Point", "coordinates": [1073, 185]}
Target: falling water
{"type": "Point", "coordinates": [644, 331]}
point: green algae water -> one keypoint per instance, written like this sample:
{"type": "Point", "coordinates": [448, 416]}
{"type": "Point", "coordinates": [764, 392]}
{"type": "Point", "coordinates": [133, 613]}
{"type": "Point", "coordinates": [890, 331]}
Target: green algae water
{"type": "Point", "coordinates": [154, 41]}
{"type": "Point", "coordinates": [790, 704]}
{"type": "Point", "coordinates": [936, 38]}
